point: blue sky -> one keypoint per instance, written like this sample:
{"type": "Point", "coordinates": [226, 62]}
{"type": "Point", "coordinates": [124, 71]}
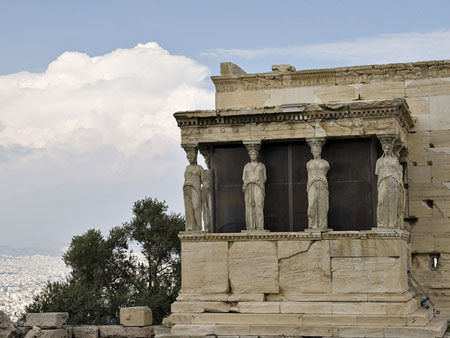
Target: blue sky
{"type": "Point", "coordinates": [88, 89]}
{"type": "Point", "coordinates": [35, 32]}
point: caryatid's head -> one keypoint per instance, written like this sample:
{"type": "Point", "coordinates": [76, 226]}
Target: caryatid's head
{"type": "Point", "coordinates": [191, 155]}
{"type": "Point", "coordinates": [387, 144]}
{"type": "Point", "coordinates": [253, 154]}
{"type": "Point", "coordinates": [316, 150]}
{"type": "Point", "coordinates": [388, 148]}
{"type": "Point", "coordinates": [316, 146]}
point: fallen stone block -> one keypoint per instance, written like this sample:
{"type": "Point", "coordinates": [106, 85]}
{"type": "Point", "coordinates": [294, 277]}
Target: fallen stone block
{"type": "Point", "coordinates": [136, 316]}
{"type": "Point", "coordinates": [88, 331]}
{"type": "Point", "coordinates": [53, 333]}
{"type": "Point", "coordinates": [116, 331]}
{"type": "Point", "coordinates": [37, 332]}
{"type": "Point", "coordinates": [49, 320]}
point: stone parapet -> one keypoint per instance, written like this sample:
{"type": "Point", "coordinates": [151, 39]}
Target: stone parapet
{"type": "Point", "coordinates": [288, 266]}
{"type": "Point", "coordinates": [394, 72]}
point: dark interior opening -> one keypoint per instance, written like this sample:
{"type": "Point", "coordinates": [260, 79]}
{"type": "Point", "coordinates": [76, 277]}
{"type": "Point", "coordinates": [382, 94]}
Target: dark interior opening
{"type": "Point", "coordinates": [351, 180]}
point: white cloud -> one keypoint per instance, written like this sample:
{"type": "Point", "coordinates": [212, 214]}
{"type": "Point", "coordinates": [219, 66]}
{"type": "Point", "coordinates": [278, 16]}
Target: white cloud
{"type": "Point", "coordinates": [386, 48]}
{"type": "Point", "coordinates": [98, 123]}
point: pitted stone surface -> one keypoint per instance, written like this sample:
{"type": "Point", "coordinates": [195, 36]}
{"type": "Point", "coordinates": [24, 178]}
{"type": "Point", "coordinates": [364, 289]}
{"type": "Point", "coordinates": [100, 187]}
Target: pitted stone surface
{"type": "Point", "coordinates": [254, 267]}
{"type": "Point", "coordinates": [47, 320]}
{"type": "Point", "coordinates": [307, 272]}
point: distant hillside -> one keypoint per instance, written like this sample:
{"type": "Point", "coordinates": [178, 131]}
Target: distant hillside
{"type": "Point", "coordinates": [10, 251]}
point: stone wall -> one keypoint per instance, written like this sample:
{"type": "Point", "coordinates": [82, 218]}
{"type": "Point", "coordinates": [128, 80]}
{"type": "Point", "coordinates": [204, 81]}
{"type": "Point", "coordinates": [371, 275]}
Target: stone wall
{"type": "Point", "coordinates": [426, 88]}
{"type": "Point", "coordinates": [327, 284]}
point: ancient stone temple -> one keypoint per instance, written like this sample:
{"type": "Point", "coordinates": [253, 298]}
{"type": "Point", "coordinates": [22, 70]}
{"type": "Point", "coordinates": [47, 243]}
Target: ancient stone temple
{"type": "Point", "coordinates": [326, 192]}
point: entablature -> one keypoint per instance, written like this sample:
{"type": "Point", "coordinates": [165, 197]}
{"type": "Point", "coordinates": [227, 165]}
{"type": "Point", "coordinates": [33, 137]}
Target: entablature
{"type": "Point", "coordinates": [294, 121]}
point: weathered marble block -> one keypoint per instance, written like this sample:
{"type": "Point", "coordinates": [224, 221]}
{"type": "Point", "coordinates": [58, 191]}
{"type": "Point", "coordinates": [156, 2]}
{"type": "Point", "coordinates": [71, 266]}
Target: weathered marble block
{"type": "Point", "coordinates": [253, 267]}
{"type": "Point", "coordinates": [48, 320]}
{"type": "Point", "coordinates": [204, 267]}
{"type": "Point", "coordinates": [368, 274]}
{"type": "Point", "coordinates": [88, 331]}
{"type": "Point", "coordinates": [136, 316]}
{"type": "Point", "coordinates": [303, 269]}
{"type": "Point", "coordinates": [112, 331]}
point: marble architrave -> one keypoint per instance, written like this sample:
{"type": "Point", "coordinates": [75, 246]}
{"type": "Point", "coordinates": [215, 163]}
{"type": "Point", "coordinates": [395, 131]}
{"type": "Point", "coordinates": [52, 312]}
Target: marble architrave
{"type": "Point", "coordinates": [254, 179]}
{"type": "Point", "coordinates": [317, 186]}
{"type": "Point", "coordinates": [193, 178]}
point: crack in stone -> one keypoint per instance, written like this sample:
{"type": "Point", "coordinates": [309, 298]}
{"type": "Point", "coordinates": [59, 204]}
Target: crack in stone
{"type": "Point", "coordinates": [293, 255]}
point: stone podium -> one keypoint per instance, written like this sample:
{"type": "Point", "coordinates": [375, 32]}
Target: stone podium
{"type": "Point", "coordinates": [334, 255]}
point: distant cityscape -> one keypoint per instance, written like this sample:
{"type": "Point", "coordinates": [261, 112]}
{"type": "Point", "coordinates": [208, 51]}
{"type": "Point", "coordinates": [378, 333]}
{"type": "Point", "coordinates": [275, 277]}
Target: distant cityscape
{"type": "Point", "coordinates": [23, 276]}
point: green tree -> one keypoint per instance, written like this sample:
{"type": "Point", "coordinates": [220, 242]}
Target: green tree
{"type": "Point", "coordinates": [106, 277]}
{"type": "Point", "coordinates": [103, 279]}
{"type": "Point", "coordinates": [156, 231]}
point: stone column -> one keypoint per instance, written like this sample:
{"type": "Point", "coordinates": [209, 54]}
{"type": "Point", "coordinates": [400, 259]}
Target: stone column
{"type": "Point", "coordinates": [193, 179]}
{"type": "Point", "coordinates": [317, 186]}
{"type": "Point", "coordinates": [206, 189]}
{"type": "Point", "coordinates": [391, 194]}
{"type": "Point", "coordinates": [254, 179]}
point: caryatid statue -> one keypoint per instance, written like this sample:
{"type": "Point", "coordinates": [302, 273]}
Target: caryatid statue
{"type": "Point", "coordinates": [254, 178]}
{"type": "Point", "coordinates": [390, 186]}
{"type": "Point", "coordinates": [193, 178]}
{"type": "Point", "coordinates": [317, 186]}
{"type": "Point", "coordinates": [206, 189]}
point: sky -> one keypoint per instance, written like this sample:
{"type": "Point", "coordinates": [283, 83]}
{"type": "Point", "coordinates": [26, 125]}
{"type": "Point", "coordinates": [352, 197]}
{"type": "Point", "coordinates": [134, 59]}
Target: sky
{"type": "Point", "coordinates": [88, 90]}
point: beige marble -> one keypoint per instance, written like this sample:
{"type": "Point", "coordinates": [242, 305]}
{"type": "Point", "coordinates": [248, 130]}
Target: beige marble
{"type": "Point", "coordinates": [88, 331]}
{"type": "Point", "coordinates": [193, 178]}
{"type": "Point", "coordinates": [136, 316]}
{"type": "Point", "coordinates": [253, 267]}
{"type": "Point", "coordinates": [317, 186]}
{"type": "Point", "coordinates": [368, 274]}
{"type": "Point", "coordinates": [306, 272]}
{"type": "Point", "coordinates": [381, 90]}
{"type": "Point", "coordinates": [50, 320]}
{"type": "Point", "coordinates": [204, 268]}
{"type": "Point", "coordinates": [254, 179]}
{"type": "Point", "coordinates": [390, 192]}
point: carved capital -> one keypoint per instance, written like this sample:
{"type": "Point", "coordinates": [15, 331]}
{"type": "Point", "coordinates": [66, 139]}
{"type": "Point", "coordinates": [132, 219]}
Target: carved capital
{"type": "Point", "coordinates": [191, 152]}
{"type": "Point", "coordinates": [387, 139]}
{"type": "Point", "coordinates": [252, 145]}
{"type": "Point", "coordinates": [316, 141]}
{"type": "Point", "coordinates": [206, 153]}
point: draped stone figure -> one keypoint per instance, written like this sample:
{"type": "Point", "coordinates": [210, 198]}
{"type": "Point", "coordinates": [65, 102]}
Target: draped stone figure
{"type": "Point", "coordinates": [254, 178]}
{"type": "Point", "coordinates": [193, 178]}
{"type": "Point", "coordinates": [206, 190]}
{"type": "Point", "coordinates": [317, 186]}
{"type": "Point", "coordinates": [390, 186]}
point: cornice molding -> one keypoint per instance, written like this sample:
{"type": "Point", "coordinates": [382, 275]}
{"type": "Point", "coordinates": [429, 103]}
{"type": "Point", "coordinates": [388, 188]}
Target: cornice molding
{"type": "Point", "coordinates": [291, 236]}
{"type": "Point", "coordinates": [301, 112]}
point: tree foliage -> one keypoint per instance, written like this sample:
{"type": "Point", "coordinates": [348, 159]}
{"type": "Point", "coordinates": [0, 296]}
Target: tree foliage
{"type": "Point", "coordinates": [156, 232]}
{"type": "Point", "coordinates": [106, 276]}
